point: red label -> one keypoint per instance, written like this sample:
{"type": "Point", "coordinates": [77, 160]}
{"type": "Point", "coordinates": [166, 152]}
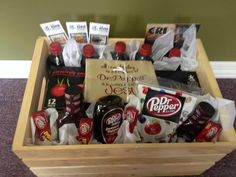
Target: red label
{"type": "Point", "coordinates": [153, 128]}
{"type": "Point", "coordinates": [111, 124]}
{"type": "Point", "coordinates": [85, 130]}
{"type": "Point", "coordinates": [131, 114]}
{"type": "Point", "coordinates": [209, 132]}
{"type": "Point", "coordinates": [42, 125]}
{"type": "Point", "coordinates": [163, 105]}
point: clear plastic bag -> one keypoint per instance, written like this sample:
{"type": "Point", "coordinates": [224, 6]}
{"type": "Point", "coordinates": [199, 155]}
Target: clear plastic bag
{"type": "Point", "coordinates": [162, 45]}
{"type": "Point", "coordinates": [187, 61]}
{"type": "Point", "coordinates": [72, 54]}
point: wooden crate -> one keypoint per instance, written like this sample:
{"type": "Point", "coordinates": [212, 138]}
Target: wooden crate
{"type": "Point", "coordinates": [114, 159]}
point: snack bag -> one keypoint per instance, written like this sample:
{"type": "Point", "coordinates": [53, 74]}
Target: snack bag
{"type": "Point", "coordinates": [163, 105]}
{"type": "Point", "coordinates": [189, 103]}
{"type": "Point", "coordinates": [153, 130]}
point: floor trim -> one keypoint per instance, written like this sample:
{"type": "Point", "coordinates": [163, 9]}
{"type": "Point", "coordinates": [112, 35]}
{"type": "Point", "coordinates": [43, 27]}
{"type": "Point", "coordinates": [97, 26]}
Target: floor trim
{"type": "Point", "coordinates": [224, 69]}
{"type": "Point", "coordinates": [14, 68]}
{"type": "Point", "coordinates": [20, 69]}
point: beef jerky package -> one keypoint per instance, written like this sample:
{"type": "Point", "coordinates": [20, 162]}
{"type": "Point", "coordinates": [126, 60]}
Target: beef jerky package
{"type": "Point", "coordinates": [59, 80]}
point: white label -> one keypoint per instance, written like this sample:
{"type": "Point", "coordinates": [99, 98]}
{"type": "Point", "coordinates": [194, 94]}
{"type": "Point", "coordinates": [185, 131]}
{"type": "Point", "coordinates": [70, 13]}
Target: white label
{"type": "Point", "coordinates": [98, 33]}
{"type": "Point", "coordinates": [55, 32]}
{"type": "Point", "coordinates": [78, 31]}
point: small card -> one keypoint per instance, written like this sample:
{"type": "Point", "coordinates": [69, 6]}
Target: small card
{"type": "Point", "coordinates": [55, 32]}
{"type": "Point", "coordinates": [98, 33]}
{"type": "Point", "coordinates": [78, 31]}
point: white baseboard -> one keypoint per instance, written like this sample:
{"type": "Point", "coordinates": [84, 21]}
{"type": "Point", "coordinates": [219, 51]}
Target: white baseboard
{"type": "Point", "coordinates": [224, 69]}
{"type": "Point", "coordinates": [20, 69]}
{"type": "Point", "coordinates": [14, 68]}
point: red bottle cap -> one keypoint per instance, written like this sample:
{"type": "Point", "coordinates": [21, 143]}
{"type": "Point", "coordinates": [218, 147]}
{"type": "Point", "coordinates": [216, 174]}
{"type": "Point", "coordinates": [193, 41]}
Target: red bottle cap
{"type": "Point", "coordinates": [88, 50]}
{"type": "Point", "coordinates": [55, 48]}
{"type": "Point", "coordinates": [146, 50]}
{"type": "Point", "coordinates": [120, 47]}
{"type": "Point", "coordinates": [174, 52]}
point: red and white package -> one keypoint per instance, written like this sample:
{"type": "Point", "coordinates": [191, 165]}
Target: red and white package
{"type": "Point", "coordinates": [41, 122]}
{"type": "Point", "coordinates": [128, 132]}
{"type": "Point", "coordinates": [85, 130]}
{"type": "Point", "coordinates": [131, 114]}
{"type": "Point", "coordinates": [209, 132]}
{"type": "Point", "coordinates": [132, 110]}
{"type": "Point", "coordinates": [155, 130]}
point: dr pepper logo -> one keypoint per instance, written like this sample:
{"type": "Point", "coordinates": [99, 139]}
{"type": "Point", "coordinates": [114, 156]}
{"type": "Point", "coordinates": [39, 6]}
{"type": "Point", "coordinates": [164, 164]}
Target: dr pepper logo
{"type": "Point", "coordinates": [163, 105]}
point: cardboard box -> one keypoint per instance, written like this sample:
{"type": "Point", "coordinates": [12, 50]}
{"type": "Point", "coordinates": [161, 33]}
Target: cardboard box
{"type": "Point", "coordinates": [114, 159]}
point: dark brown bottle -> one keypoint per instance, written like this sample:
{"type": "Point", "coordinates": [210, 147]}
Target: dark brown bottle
{"type": "Point", "coordinates": [108, 117]}
{"type": "Point", "coordinates": [196, 122]}
{"type": "Point", "coordinates": [55, 58]}
{"type": "Point", "coordinates": [144, 54]}
{"type": "Point", "coordinates": [88, 52]}
{"type": "Point", "coordinates": [120, 51]}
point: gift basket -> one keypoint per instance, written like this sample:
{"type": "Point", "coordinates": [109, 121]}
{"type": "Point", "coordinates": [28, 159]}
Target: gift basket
{"type": "Point", "coordinates": [123, 102]}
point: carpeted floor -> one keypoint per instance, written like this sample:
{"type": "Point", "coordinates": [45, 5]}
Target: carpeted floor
{"type": "Point", "coordinates": [11, 93]}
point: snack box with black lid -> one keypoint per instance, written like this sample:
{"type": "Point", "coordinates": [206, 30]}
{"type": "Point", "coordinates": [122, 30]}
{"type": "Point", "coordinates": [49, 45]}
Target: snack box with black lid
{"type": "Point", "coordinates": [146, 159]}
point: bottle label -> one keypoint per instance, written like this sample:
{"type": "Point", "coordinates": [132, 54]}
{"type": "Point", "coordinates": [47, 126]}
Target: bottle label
{"type": "Point", "coordinates": [42, 125]}
{"type": "Point", "coordinates": [78, 31]}
{"type": "Point", "coordinates": [111, 123]}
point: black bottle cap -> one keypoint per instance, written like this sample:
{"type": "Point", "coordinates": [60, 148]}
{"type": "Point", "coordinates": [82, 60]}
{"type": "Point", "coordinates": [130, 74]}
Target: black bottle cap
{"type": "Point", "coordinates": [207, 108]}
{"type": "Point", "coordinates": [110, 100]}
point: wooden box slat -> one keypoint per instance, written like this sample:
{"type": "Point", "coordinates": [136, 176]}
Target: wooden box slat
{"type": "Point", "coordinates": [165, 169]}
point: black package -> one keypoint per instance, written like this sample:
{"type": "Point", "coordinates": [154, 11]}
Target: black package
{"type": "Point", "coordinates": [186, 77]}
{"type": "Point", "coordinates": [59, 79]}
